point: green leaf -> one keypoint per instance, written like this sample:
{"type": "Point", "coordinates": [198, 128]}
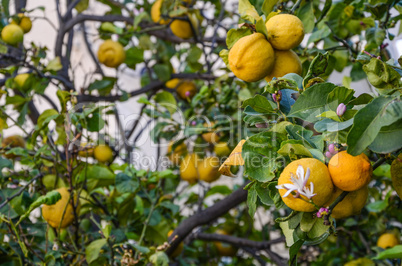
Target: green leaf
{"type": "Point", "coordinates": [224, 190]}
{"type": "Point", "coordinates": [331, 125]}
{"type": "Point", "coordinates": [104, 86]}
{"type": "Point", "coordinates": [361, 99]}
{"type": "Point", "coordinates": [236, 34]}
{"type": "Point", "coordinates": [268, 6]}
{"type": "Point", "coordinates": [388, 139]}
{"type": "Point", "coordinates": [381, 75]}
{"type": "Point", "coordinates": [375, 37]}
{"type": "Point", "coordinates": [293, 250]}
{"type": "Point", "coordinates": [307, 136]}
{"type": "Point", "coordinates": [369, 120]}
{"type": "Point", "coordinates": [134, 56]}
{"type": "Point", "coordinates": [311, 102]}
{"type": "Point", "coordinates": [261, 28]}
{"type": "Point", "coordinates": [92, 251]}
{"type": "Point", "coordinates": [247, 11]}
{"type": "Point", "coordinates": [260, 104]}
{"type": "Point", "coordinates": [54, 64]}
{"type": "Point", "coordinates": [294, 148]}
{"type": "Point", "coordinates": [96, 176]}
{"type": "Point", "coordinates": [64, 97]}
{"type": "Point", "coordinates": [49, 199]}
{"type": "Point", "coordinates": [319, 34]}
{"type": "Point", "coordinates": [224, 54]}
{"type": "Point", "coordinates": [263, 194]}
{"type": "Point", "coordinates": [162, 71]}
{"type": "Point", "coordinates": [167, 100]}
{"type": "Point", "coordinates": [260, 153]}
{"type": "Point", "coordinates": [331, 115]}
{"type": "Point", "coordinates": [390, 253]}
{"type": "Point", "coordinates": [159, 258]}
{"type": "Point", "coordinates": [95, 122]}
{"type": "Point", "coordinates": [337, 96]}
{"type": "Point", "coordinates": [306, 15]}
{"type": "Point", "coordinates": [252, 200]}
{"type": "Point", "coordinates": [321, 66]}
{"type": "Point", "coordinates": [126, 184]}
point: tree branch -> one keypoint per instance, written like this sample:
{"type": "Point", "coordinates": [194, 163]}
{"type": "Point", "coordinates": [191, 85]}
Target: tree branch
{"type": "Point", "coordinates": [206, 216]}
{"type": "Point", "coordinates": [237, 241]}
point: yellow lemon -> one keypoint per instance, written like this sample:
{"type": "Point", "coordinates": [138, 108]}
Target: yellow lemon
{"type": "Point", "coordinates": [156, 13]}
{"type": "Point", "coordinates": [285, 62]}
{"type": "Point", "coordinates": [210, 137]}
{"type": "Point", "coordinates": [179, 248]}
{"type": "Point", "coordinates": [222, 149]}
{"type": "Point", "coordinates": [111, 53]}
{"type": "Point", "coordinates": [22, 82]}
{"type": "Point", "coordinates": [13, 141]}
{"type": "Point", "coordinates": [350, 205]}
{"type": "Point", "coordinates": [182, 28]}
{"type": "Point", "coordinates": [12, 34]}
{"type": "Point", "coordinates": [53, 214]}
{"type": "Point", "coordinates": [251, 58]}
{"type": "Point", "coordinates": [319, 176]}
{"type": "Point", "coordinates": [176, 156]}
{"type": "Point", "coordinates": [208, 169]}
{"type": "Point", "coordinates": [188, 168]}
{"type": "Point", "coordinates": [285, 31]}
{"type": "Point", "coordinates": [224, 249]}
{"type": "Point", "coordinates": [24, 22]}
{"type": "Point", "coordinates": [103, 153]}
{"type": "Point", "coordinates": [387, 240]}
{"type": "Point", "coordinates": [86, 150]}
{"type": "Point", "coordinates": [186, 89]}
{"type": "Point", "coordinates": [349, 173]}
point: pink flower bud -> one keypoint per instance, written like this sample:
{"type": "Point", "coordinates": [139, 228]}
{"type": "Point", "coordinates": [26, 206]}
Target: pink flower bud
{"type": "Point", "coordinates": [322, 212]}
{"type": "Point", "coordinates": [261, 125]}
{"type": "Point", "coordinates": [331, 148]}
{"type": "Point", "coordinates": [328, 154]}
{"type": "Point", "coordinates": [188, 94]}
{"type": "Point", "coordinates": [341, 109]}
{"type": "Point", "coordinates": [193, 123]}
{"type": "Point", "coordinates": [277, 97]}
{"type": "Point", "coordinates": [274, 97]}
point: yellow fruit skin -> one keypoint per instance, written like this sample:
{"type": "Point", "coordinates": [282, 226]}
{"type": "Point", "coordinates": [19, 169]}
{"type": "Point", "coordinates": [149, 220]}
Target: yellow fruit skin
{"type": "Point", "coordinates": [156, 13]}
{"type": "Point", "coordinates": [188, 168]}
{"type": "Point", "coordinates": [182, 29]}
{"type": "Point", "coordinates": [396, 175]}
{"type": "Point", "coordinates": [285, 62]}
{"type": "Point", "coordinates": [387, 240]}
{"type": "Point", "coordinates": [87, 150]}
{"type": "Point", "coordinates": [179, 248]}
{"type": "Point", "coordinates": [24, 22]}
{"type": "Point", "coordinates": [176, 156]}
{"type": "Point", "coordinates": [285, 31]}
{"type": "Point", "coordinates": [13, 142]}
{"type": "Point", "coordinates": [319, 175]}
{"type": "Point", "coordinates": [103, 153]}
{"type": "Point", "coordinates": [350, 173]}
{"type": "Point", "coordinates": [224, 249]}
{"type": "Point", "coordinates": [210, 137]}
{"type": "Point", "coordinates": [111, 53]}
{"type": "Point", "coordinates": [20, 81]}
{"type": "Point", "coordinates": [172, 84]}
{"type": "Point", "coordinates": [221, 149]}
{"type": "Point", "coordinates": [208, 169]}
{"type": "Point", "coordinates": [12, 34]}
{"type": "Point", "coordinates": [350, 205]}
{"type": "Point", "coordinates": [251, 58]}
{"type": "Point", "coordinates": [186, 86]}
{"type": "Point", "coordinates": [53, 214]}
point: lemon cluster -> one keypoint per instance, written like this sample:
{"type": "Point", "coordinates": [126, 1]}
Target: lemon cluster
{"type": "Point", "coordinates": [183, 26]}
{"type": "Point", "coordinates": [344, 173]}
{"type": "Point", "coordinates": [193, 168]}
{"type": "Point", "coordinates": [254, 57]}
{"type": "Point", "coordinates": [13, 33]}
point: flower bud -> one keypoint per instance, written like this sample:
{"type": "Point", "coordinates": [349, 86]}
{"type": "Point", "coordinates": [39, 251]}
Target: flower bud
{"type": "Point", "coordinates": [328, 154]}
{"type": "Point", "coordinates": [322, 212]}
{"type": "Point", "coordinates": [277, 97]}
{"type": "Point", "coordinates": [187, 94]}
{"type": "Point", "coordinates": [193, 123]}
{"type": "Point", "coordinates": [331, 148]}
{"type": "Point", "coordinates": [341, 109]}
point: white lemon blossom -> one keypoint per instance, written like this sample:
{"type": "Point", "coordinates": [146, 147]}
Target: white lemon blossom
{"type": "Point", "coordinates": [299, 184]}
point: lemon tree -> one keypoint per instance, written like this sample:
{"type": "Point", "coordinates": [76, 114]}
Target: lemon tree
{"type": "Point", "coordinates": [200, 132]}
